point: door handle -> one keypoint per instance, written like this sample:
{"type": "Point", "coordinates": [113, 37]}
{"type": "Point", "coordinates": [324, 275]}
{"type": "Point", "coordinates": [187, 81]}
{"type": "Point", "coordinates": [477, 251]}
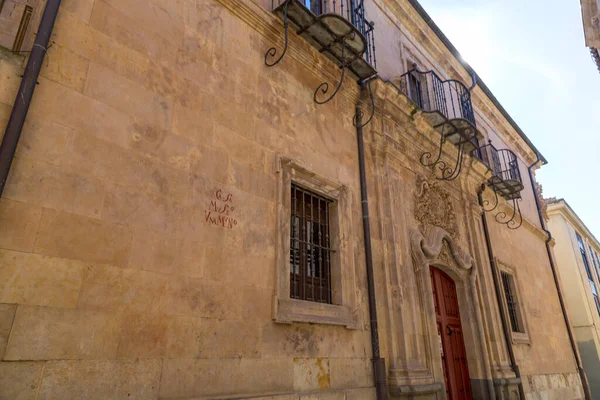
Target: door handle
{"type": "Point", "coordinates": [449, 330]}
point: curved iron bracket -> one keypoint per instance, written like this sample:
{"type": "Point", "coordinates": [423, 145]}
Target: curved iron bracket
{"type": "Point", "coordinates": [360, 115]}
{"type": "Point", "coordinates": [486, 203]}
{"type": "Point", "coordinates": [272, 52]}
{"type": "Point", "coordinates": [324, 87]}
{"type": "Point", "coordinates": [516, 219]}
{"type": "Point", "coordinates": [450, 174]}
{"type": "Point", "coordinates": [425, 157]}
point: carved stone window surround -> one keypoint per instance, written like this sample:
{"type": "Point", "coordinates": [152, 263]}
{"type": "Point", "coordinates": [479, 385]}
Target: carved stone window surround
{"type": "Point", "coordinates": [288, 310]}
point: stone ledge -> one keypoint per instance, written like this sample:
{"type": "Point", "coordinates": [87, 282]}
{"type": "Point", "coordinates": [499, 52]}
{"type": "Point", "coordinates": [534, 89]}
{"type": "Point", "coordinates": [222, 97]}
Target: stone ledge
{"type": "Point", "coordinates": [415, 390]}
{"type": "Point", "coordinates": [292, 310]}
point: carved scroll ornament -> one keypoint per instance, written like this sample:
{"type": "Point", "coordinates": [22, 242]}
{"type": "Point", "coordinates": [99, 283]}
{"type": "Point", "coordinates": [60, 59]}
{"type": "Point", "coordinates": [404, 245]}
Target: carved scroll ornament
{"type": "Point", "coordinates": [433, 207]}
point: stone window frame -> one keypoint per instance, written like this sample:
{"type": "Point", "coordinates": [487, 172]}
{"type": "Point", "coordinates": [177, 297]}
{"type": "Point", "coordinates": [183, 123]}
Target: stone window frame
{"type": "Point", "coordinates": [286, 309]}
{"type": "Point", "coordinates": [516, 337]}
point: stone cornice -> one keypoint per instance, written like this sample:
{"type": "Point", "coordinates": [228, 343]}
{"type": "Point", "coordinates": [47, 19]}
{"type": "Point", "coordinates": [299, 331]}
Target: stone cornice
{"type": "Point", "coordinates": [268, 25]}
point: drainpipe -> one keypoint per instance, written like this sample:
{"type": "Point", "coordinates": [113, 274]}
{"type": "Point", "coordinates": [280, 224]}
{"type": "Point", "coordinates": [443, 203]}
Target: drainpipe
{"type": "Point", "coordinates": [379, 372]}
{"type": "Point", "coordinates": [582, 376]}
{"type": "Point", "coordinates": [25, 93]}
{"type": "Point", "coordinates": [505, 327]}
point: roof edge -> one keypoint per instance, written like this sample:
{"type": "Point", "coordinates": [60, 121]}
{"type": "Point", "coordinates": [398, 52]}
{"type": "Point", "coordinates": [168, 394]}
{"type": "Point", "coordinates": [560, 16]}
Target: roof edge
{"type": "Point", "coordinates": [417, 6]}
{"type": "Point", "coordinates": [557, 204]}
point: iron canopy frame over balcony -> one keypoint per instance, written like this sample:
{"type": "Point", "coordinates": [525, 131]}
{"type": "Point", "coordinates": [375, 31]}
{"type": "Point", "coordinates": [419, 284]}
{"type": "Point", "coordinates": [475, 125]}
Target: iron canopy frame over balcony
{"type": "Point", "coordinates": [338, 29]}
{"type": "Point", "coordinates": [505, 181]}
{"type": "Point", "coordinates": [446, 105]}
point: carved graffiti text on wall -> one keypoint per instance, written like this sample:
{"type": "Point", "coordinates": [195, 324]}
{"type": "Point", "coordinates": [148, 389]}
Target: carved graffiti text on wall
{"type": "Point", "coordinates": [220, 211]}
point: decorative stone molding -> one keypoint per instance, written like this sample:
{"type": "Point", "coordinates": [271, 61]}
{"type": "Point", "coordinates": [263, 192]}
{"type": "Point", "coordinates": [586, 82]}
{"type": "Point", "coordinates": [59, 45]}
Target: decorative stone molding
{"type": "Point", "coordinates": [435, 246]}
{"type": "Point", "coordinates": [429, 246]}
{"type": "Point", "coordinates": [433, 207]}
{"type": "Point", "coordinates": [288, 310]}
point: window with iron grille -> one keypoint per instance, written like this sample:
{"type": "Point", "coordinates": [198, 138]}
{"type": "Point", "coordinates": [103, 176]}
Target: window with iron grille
{"type": "Point", "coordinates": [310, 250]}
{"type": "Point", "coordinates": [512, 302]}
{"type": "Point", "coordinates": [584, 257]}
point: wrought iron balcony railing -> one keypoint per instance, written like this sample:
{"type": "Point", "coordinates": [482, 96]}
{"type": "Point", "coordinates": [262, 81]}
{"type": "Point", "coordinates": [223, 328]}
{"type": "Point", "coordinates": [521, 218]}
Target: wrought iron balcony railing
{"type": "Point", "coordinates": [505, 181]}
{"type": "Point", "coordinates": [446, 104]}
{"type": "Point", "coordinates": [506, 177]}
{"type": "Point", "coordinates": [337, 28]}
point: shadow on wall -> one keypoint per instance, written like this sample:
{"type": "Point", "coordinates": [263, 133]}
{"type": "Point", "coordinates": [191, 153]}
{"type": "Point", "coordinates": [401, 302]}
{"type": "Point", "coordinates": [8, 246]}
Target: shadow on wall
{"type": "Point", "coordinates": [591, 365]}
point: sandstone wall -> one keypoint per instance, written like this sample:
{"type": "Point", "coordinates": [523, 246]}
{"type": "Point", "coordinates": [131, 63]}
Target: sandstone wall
{"type": "Point", "coordinates": [118, 282]}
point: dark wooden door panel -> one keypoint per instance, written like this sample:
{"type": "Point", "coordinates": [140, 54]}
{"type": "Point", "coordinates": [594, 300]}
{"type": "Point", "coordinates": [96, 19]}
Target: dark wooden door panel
{"type": "Point", "coordinates": [454, 356]}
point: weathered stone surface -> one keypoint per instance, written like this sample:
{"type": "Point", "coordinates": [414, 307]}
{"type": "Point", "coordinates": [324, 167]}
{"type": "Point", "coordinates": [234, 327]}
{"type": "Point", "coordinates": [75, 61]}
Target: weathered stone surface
{"type": "Point", "coordinates": [46, 333]}
{"type": "Point", "coordinates": [18, 225]}
{"type": "Point", "coordinates": [311, 374]}
{"type": "Point", "coordinates": [39, 280]}
{"type": "Point", "coordinates": [72, 236]}
{"type": "Point", "coordinates": [199, 298]}
{"type": "Point", "coordinates": [45, 184]}
{"type": "Point", "coordinates": [20, 380]}
{"type": "Point", "coordinates": [66, 68]}
{"type": "Point", "coordinates": [139, 101]}
{"type": "Point", "coordinates": [80, 8]}
{"type": "Point", "coordinates": [114, 289]}
{"type": "Point", "coordinates": [101, 379]}
{"type": "Point", "coordinates": [7, 316]}
{"type": "Point", "coordinates": [10, 82]}
{"type": "Point", "coordinates": [181, 378]}
{"type": "Point", "coordinates": [43, 139]}
{"type": "Point", "coordinates": [350, 373]}
{"type": "Point", "coordinates": [143, 336]}
{"type": "Point", "coordinates": [361, 394]}
{"type": "Point", "coordinates": [324, 396]}
{"type": "Point", "coordinates": [167, 254]}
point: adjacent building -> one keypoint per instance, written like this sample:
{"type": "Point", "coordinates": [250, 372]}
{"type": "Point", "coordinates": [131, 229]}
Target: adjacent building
{"type": "Point", "coordinates": [577, 255]}
{"type": "Point", "coordinates": [590, 10]}
{"type": "Point", "coordinates": [235, 199]}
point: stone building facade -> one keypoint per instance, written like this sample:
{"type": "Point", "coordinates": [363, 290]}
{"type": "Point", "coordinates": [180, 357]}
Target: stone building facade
{"type": "Point", "coordinates": [578, 259]}
{"type": "Point", "coordinates": [150, 232]}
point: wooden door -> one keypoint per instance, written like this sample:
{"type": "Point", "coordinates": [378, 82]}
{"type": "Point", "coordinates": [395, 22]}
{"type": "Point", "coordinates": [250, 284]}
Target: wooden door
{"type": "Point", "coordinates": [452, 346]}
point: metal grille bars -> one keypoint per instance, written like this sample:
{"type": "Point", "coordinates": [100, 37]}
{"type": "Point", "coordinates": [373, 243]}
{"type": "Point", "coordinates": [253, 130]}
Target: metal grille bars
{"type": "Point", "coordinates": [337, 28]}
{"type": "Point", "coordinates": [310, 251]}
{"type": "Point", "coordinates": [446, 104]}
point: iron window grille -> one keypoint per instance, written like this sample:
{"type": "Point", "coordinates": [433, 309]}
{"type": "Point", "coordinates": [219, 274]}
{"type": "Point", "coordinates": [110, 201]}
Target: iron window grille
{"type": "Point", "coordinates": [585, 260]}
{"type": "Point", "coordinates": [511, 302]}
{"type": "Point", "coordinates": [588, 270]}
{"type": "Point", "coordinates": [310, 248]}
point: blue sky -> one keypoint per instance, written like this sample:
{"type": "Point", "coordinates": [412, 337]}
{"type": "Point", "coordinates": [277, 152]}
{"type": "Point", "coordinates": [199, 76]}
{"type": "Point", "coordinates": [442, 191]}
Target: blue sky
{"type": "Point", "coordinates": [532, 55]}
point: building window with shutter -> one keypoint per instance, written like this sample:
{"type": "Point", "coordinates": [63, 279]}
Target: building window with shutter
{"type": "Point", "coordinates": [512, 304]}
{"type": "Point", "coordinates": [588, 270]}
{"type": "Point", "coordinates": [16, 31]}
{"type": "Point", "coordinates": [310, 249]}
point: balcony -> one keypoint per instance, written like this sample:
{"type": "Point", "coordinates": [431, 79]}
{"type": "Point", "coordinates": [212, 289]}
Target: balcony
{"type": "Point", "coordinates": [506, 177]}
{"type": "Point", "coordinates": [337, 28]}
{"type": "Point", "coordinates": [446, 105]}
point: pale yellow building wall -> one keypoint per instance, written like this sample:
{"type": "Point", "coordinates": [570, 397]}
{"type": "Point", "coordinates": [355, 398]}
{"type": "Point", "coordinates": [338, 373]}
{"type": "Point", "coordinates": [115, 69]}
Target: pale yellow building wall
{"type": "Point", "coordinates": [583, 313]}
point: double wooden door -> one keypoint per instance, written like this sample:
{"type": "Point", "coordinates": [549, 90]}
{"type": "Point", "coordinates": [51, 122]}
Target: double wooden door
{"type": "Point", "coordinates": [450, 335]}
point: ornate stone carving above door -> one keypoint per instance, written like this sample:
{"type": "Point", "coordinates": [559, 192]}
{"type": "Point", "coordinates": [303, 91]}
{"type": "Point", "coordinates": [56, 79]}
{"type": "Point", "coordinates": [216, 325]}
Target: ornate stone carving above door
{"type": "Point", "coordinates": [433, 207]}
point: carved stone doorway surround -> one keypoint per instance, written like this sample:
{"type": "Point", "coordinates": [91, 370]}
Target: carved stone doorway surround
{"type": "Point", "coordinates": [433, 245]}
